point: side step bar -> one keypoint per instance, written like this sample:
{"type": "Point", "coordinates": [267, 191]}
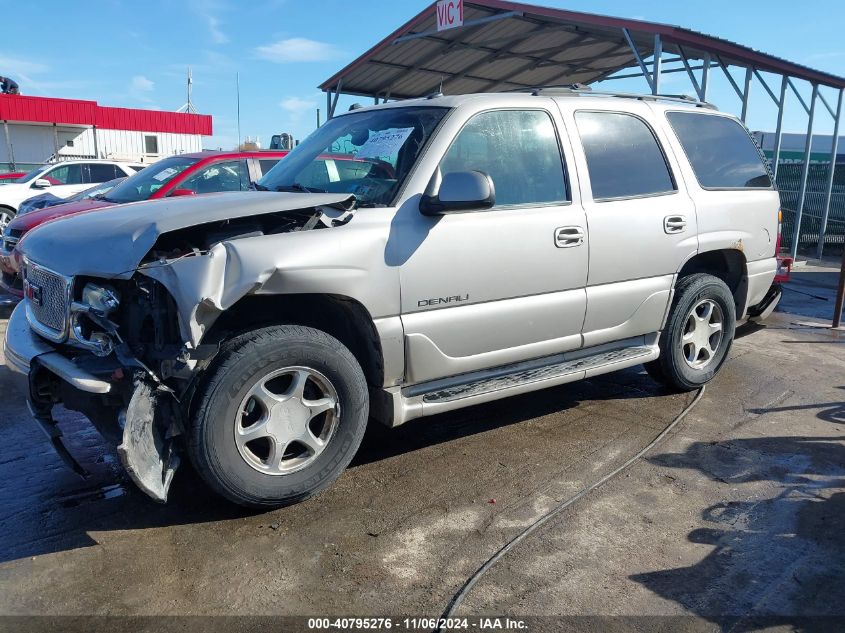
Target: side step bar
{"type": "Point", "coordinates": [475, 388]}
{"type": "Point", "coordinates": [538, 374]}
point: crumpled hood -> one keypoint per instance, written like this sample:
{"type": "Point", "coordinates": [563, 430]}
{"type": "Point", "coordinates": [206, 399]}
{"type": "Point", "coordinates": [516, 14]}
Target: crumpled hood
{"type": "Point", "coordinates": [112, 244]}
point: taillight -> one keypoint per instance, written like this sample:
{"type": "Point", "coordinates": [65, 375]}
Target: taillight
{"type": "Point", "coordinates": [780, 227]}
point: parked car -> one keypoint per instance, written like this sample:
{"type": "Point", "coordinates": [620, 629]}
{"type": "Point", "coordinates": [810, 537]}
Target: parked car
{"type": "Point", "coordinates": [63, 179]}
{"type": "Point", "coordinates": [47, 199]}
{"type": "Point", "coordinates": [186, 174]}
{"type": "Point", "coordinates": [518, 241]}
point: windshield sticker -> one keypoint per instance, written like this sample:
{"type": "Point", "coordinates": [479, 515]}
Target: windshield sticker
{"type": "Point", "coordinates": [384, 143]}
{"type": "Point", "coordinates": [164, 174]}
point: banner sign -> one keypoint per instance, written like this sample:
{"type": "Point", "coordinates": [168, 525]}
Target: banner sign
{"type": "Point", "coordinates": [450, 14]}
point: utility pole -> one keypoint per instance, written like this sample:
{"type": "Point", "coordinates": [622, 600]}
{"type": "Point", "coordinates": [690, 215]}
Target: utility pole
{"type": "Point", "coordinates": [238, 92]}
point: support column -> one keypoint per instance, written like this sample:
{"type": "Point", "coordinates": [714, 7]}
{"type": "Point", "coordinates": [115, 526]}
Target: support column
{"type": "Point", "coordinates": [658, 64]}
{"type": "Point", "coordinates": [834, 149]}
{"type": "Point", "coordinates": [779, 129]}
{"type": "Point", "coordinates": [746, 93]}
{"type": "Point", "coordinates": [56, 140]}
{"type": "Point", "coordinates": [705, 77]}
{"type": "Point", "coordinates": [9, 148]}
{"type": "Point", "coordinates": [802, 193]}
{"type": "Point", "coordinates": [96, 145]}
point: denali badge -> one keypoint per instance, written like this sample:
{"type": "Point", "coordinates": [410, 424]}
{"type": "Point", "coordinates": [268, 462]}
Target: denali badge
{"type": "Point", "coordinates": [433, 302]}
{"type": "Point", "coordinates": [34, 293]}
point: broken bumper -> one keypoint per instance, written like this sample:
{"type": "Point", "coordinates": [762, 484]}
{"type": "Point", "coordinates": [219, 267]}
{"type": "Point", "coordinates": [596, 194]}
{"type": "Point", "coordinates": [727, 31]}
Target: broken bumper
{"type": "Point", "coordinates": [765, 308]}
{"type": "Point", "coordinates": [146, 451]}
{"type": "Point", "coordinates": [22, 346]}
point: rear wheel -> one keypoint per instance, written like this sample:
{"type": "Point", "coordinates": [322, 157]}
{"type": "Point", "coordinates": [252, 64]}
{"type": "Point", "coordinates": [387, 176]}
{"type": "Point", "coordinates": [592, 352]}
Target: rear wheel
{"type": "Point", "coordinates": [281, 415]}
{"type": "Point", "coordinates": [698, 334]}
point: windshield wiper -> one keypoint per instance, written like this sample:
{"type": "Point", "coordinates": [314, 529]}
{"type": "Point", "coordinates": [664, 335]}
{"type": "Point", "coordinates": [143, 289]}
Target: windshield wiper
{"type": "Point", "coordinates": [258, 187]}
{"type": "Point", "coordinates": [298, 187]}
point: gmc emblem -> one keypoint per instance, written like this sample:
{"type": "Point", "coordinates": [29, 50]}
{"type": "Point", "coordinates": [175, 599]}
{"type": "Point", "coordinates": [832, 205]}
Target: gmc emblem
{"type": "Point", "coordinates": [34, 293]}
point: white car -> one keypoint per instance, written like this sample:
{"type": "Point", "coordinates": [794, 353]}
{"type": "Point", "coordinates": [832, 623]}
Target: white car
{"type": "Point", "coordinates": [62, 179]}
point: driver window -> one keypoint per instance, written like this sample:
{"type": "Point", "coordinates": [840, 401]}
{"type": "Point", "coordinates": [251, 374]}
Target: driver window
{"type": "Point", "coordinates": [224, 176]}
{"type": "Point", "coordinates": [518, 149]}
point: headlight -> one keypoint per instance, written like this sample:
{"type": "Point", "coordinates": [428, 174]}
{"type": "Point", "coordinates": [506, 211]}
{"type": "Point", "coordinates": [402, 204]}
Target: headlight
{"type": "Point", "coordinates": [102, 300]}
{"type": "Point", "coordinates": [88, 316]}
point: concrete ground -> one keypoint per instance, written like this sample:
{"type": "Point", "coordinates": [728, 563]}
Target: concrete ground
{"type": "Point", "coordinates": [811, 291]}
{"type": "Point", "coordinates": [735, 522]}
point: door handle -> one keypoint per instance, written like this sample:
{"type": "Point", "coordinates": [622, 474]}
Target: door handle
{"type": "Point", "coordinates": [674, 224]}
{"type": "Point", "coordinates": [569, 236]}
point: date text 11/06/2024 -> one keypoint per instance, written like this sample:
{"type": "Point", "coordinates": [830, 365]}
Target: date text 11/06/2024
{"type": "Point", "coordinates": [418, 624]}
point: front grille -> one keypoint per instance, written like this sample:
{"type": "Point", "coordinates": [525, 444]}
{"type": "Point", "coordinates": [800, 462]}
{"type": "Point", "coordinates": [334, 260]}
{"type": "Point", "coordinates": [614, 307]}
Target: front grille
{"type": "Point", "coordinates": [47, 297]}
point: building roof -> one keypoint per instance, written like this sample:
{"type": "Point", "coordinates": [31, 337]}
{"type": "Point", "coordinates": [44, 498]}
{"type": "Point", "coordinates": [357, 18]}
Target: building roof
{"type": "Point", "coordinates": [507, 45]}
{"type": "Point", "coordinates": [28, 109]}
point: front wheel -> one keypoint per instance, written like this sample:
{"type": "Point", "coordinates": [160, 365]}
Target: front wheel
{"type": "Point", "coordinates": [698, 334]}
{"type": "Point", "coordinates": [280, 416]}
{"type": "Point", "coordinates": [6, 216]}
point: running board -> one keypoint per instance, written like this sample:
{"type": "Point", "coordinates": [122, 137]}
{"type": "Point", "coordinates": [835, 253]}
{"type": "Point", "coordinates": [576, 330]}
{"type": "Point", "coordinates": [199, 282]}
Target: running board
{"type": "Point", "coordinates": [402, 404]}
{"type": "Point", "coordinates": [611, 360]}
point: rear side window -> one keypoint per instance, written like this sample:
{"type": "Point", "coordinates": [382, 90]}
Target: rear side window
{"type": "Point", "coordinates": [520, 152]}
{"type": "Point", "coordinates": [721, 151]}
{"type": "Point", "coordinates": [102, 172]}
{"type": "Point", "coordinates": [623, 157]}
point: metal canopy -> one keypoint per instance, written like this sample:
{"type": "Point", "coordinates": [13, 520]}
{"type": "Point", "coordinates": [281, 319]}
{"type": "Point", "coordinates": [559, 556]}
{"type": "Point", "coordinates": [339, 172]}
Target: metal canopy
{"type": "Point", "coordinates": [507, 46]}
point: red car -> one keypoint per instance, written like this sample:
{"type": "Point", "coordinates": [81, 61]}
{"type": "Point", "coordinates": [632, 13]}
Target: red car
{"type": "Point", "coordinates": [12, 176]}
{"type": "Point", "coordinates": [183, 175]}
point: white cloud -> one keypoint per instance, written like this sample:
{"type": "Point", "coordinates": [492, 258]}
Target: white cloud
{"type": "Point", "coordinates": [208, 10]}
{"type": "Point", "coordinates": [298, 49]}
{"type": "Point", "coordinates": [217, 35]}
{"type": "Point", "coordinates": [298, 105]}
{"type": "Point", "coordinates": [140, 88]}
{"type": "Point", "coordinates": [16, 67]}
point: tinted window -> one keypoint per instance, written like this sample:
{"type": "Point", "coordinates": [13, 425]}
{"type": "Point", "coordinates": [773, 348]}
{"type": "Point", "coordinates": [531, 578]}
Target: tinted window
{"type": "Point", "coordinates": [623, 156]}
{"type": "Point", "coordinates": [720, 150]}
{"type": "Point", "coordinates": [518, 149]}
{"type": "Point", "coordinates": [267, 164]}
{"type": "Point", "coordinates": [65, 175]}
{"type": "Point", "coordinates": [102, 173]}
{"type": "Point", "coordinates": [231, 175]}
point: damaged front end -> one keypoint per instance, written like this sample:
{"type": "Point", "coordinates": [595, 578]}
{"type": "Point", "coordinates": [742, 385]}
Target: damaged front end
{"type": "Point", "coordinates": [124, 349]}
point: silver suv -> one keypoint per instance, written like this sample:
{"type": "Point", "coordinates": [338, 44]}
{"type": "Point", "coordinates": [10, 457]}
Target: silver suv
{"type": "Point", "coordinates": [406, 259]}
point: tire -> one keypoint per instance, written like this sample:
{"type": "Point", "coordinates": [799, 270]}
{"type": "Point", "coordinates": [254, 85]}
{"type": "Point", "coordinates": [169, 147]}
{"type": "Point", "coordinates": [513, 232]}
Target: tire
{"type": "Point", "coordinates": [256, 403]}
{"type": "Point", "coordinates": [691, 348]}
{"type": "Point", "coordinates": [7, 214]}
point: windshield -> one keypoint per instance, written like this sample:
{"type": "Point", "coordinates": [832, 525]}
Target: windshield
{"type": "Point", "coordinates": [369, 154]}
{"type": "Point", "coordinates": [35, 173]}
{"type": "Point", "coordinates": [96, 190]}
{"type": "Point", "coordinates": [149, 180]}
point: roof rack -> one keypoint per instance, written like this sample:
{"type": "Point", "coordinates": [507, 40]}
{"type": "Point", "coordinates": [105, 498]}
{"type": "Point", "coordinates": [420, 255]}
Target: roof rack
{"type": "Point", "coordinates": [580, 89]}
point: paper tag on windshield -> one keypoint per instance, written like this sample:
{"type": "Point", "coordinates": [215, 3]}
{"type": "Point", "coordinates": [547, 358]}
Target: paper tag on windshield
{"type": "Point", "coordinates": [164, 174]}
{"type": "Point", "coordinates": [384, 143]}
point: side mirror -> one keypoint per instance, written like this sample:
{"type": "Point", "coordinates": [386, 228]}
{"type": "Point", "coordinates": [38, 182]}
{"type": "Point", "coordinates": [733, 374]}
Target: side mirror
{"type": "Point", "coordinates": [42, 183]}
{"type": "Point", "coordinates": [459, 191]}
{"type": "Point", "coordinates": [183, 192]}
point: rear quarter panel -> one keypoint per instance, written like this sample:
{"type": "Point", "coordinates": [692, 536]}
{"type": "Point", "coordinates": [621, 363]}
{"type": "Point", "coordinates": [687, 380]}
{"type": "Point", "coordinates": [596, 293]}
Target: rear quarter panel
{"type": "Point", "coordinates": [742, 219]}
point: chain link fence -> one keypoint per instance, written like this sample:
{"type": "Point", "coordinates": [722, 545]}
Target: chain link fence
{"type": "Point", "coordinates": [789, 183]}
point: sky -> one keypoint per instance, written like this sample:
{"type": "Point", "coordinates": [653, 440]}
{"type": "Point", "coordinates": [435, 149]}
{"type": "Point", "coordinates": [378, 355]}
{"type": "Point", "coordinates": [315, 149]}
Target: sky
{"type": "Point", "coordinates": [136, 54]}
